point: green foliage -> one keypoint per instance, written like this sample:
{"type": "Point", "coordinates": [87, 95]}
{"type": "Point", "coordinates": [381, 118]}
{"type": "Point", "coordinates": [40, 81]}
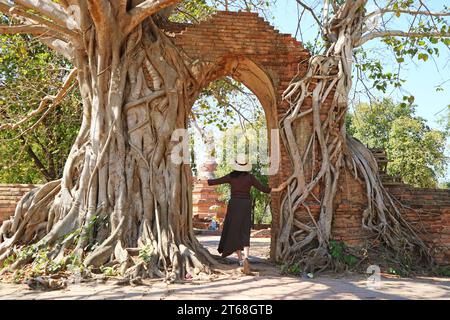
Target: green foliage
{"type": "Point", "coordinates": [197, 10]}
{"type": "Point", "coordinates": [29, 71]}
{"type": "Point", "coordinates": [261, 201]}
{"type": "Point", "coordinates": [192, 11]}
{"type": "Point", "coordinates": [338, 252]}
{"type": "Point", "coordinates": [444, 185]}
{"type": "Point", "coordinates": [444, 119]}
{"type": "Point", "coordinates": [376, 67]}
{"type": "Point", "coordinates": [109, 271]}
{"type": "Point", "coordinates": [216, 103]}
{"type": "Point", "coordinates": [43, 265]}
{"type": "Point", "coordinates": [371, 123]}
{"type": "Point", "coordinates": [28, 252]}
{"type": "Point", "coordinates": [145, 254]}
{"type": "Point", "coordinates": [18, 276]}
{"type": "Point", "coordinates": [73, 260]}
{"type": "Point", "coordinates": [443, 271]}
{"type": "Point", "coordinates": [291, 269]}
{"type": "Point", "coordinates": [374, 70]}
{"type": "Point", "coordinates": [397, 271]}
{"type": "Point", "coordinates": [416, 151]}
{"type": "Point", "coordinates": [8, 261]}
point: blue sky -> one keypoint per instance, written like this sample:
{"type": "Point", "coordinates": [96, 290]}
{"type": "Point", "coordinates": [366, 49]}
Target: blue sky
{"type": "Point", "coordinates": [422, 78]}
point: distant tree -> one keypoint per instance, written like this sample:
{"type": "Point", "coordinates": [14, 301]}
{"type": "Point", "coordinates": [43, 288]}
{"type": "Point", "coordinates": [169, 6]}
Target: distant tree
{"type": "Point", "coordinates": [444, 185]}
{"type": "Point", "coordinates": [36, 150]}
{"type": "Point", "coordinates": [371, 123]}
{"type": "Point", "coordinates": [444, 119]}
{"type": "Point", "coordinates": [416, 151]}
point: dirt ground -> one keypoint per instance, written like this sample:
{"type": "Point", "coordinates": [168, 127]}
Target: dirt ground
{"type": "Point", "coordinates": [265, 283]}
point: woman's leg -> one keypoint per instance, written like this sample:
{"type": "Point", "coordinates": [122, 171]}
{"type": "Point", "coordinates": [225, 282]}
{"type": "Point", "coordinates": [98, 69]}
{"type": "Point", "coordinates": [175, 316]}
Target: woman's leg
{"type": "Point", "coordinates": [239, 254]}
{"type": "Point", "coordinates": [246, 252]}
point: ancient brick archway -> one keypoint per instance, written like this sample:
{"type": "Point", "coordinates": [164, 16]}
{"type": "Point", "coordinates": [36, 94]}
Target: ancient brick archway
{"type": "Point", "coordinates": [244, 46]}
{"type": "Point", "coordinates": [247, 48]}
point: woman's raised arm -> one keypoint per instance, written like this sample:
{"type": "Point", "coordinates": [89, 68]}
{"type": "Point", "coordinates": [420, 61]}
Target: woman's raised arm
{"type": "Point", "coordinates": [221, 180]}
{"type": "Point", "coordinates": [280, 187]}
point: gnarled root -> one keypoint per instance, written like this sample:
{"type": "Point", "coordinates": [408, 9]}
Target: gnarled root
{"type": "Point", "coordinates": [123, 204]}
{"type": "Point", "coordinates": [24, 243]}
{"type": "Point", "coordinates": [319, 158]}
{"type": "Point", "coordinates": [383, 216]}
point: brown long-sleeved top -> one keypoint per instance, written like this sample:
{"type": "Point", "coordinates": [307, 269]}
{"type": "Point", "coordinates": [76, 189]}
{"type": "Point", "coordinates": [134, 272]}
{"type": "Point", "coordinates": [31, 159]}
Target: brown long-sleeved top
{"type": "Point", "coordinates": [241, 185]}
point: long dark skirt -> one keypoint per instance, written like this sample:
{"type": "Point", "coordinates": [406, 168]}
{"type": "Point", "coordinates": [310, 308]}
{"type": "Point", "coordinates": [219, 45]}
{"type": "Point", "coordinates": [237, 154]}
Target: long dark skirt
{"type": "Point", "coordinates": [236, 227]}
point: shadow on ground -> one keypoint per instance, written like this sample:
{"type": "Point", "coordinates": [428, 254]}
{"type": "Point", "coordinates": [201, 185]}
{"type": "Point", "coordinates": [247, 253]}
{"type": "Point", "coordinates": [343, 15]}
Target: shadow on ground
{"type": "Point", "coordinates": [267, 283]}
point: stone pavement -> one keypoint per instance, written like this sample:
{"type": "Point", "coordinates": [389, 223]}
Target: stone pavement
{"type": "Point", "coordinates": [247, 287]}
{"type": "Point", "coordinates": [266, 284]}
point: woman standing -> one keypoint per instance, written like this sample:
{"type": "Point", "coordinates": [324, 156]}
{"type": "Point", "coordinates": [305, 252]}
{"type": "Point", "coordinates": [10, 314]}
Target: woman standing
{"type": "Point", "coordinates": [236, 229]}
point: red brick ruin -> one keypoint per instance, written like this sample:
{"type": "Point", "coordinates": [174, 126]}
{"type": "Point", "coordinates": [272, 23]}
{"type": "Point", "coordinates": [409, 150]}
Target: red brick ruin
{"type": "Point", "coordinates": [205, 198]}
{"type": "Point", "coordinates": [245, 47]}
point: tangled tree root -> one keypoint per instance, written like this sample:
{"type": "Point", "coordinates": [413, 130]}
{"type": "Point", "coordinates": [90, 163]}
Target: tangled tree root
{"type": "Point", "coordinates": [43, 263]}
{"type": "Point", "coordinates": [123, 204]}
{"type": "Point", "coordinates": [319, 160]}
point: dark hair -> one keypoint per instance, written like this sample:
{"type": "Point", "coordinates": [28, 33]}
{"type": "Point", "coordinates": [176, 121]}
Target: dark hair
{"type": "Point", "coordinates": [235, 174]}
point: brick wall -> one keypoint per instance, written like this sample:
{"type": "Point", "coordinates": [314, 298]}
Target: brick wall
{"type": "Point", "coordinates": [431, 216]}
{"type": "Point", "coordinates": [428, 211]}
{"type": "Point", "coordinates": [10, 194]}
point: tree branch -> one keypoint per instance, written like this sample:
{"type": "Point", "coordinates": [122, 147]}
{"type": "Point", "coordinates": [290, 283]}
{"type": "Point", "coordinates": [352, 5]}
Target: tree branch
{"type": "Point", "coordinates": [42, 106]}
{"type": "Point", "coordinates": [100, 11]}
{"type": "Point", "coordinates": [399, 33]}
{"type": "Point", "coordinates": [36, 160]}
{"type": "Point", "coordinates": [35, 30]}
{"type": "Point", "coordinates": [308, 8]}
{"type": "Point", "coordinates": [119, 7]}
{"type": "Point", "coordinates": [47, 8]}
{"type": "Point", "coordinates": [4, 6]}
{"type": "Point", "coordinates": [59, 46]}
{"type": "Point", "coordinates": [44, 34]}
{"type": "Point", "coordinates": [40, 20]}
{"type": "Point", "coordinates": [410, 12]}
{"type": "Point", "coordinates": [143, 10]}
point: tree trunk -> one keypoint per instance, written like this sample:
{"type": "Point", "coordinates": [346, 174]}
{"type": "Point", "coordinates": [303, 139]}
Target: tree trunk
{"type": "Point", "coordinates": [121, 193]}
{"type": "Point", "coordinates": [329, 76]}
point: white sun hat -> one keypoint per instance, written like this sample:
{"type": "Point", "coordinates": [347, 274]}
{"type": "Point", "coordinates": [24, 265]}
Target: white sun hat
{"type": "Point", "coordinates": [241, 163]}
